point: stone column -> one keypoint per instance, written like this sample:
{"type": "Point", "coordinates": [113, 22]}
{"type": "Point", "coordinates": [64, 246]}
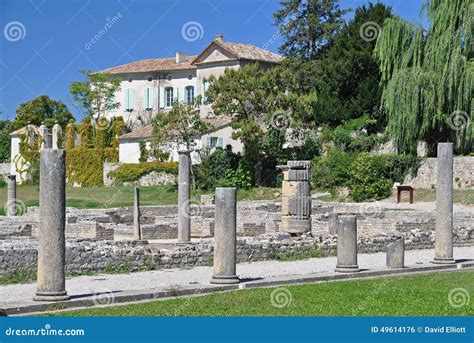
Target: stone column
{"type": "Point", "coordinates": [11, 196]}
{"type": "Point", "coordinates": [225, 236]}
{"type": "Point", "coordinates": [396, 254]}
{"type": "Point", "coordinates": [333, 221]}
{"type": "Point", "coordinates": [43, 131]}
{"type": "Point", "coordinates": [296, 197]}
{"type": "Point", "coordinates": [57, 133]}
{"type": "Point", "coordinates": [136, 214]}
{"type": "Point", "coordinates": [184, 217]}
{"type": "Point", "coordinates": [347, 244]}
{"type": "Point", "coordinates": [52, 222]}
{"type": "Point", "coordinates": [444, 205]}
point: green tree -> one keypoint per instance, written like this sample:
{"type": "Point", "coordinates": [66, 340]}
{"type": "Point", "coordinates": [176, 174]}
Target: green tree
{"type": "Point", "coordinates": [307, 26]}
{"type": "Point", "coordinates": [179, 127]}
{"type": "Point", "coordinates": [428, 76]}
{"type": "Point", "coordinates": [96, 94]}
{"type": "Point", "coordinates": [42, 109]}
{"type": "Point", "coordinates": [6, 127]}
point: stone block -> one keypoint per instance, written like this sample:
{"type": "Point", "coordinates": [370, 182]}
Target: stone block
{"type": "Point", "coordinates": [297, 175]}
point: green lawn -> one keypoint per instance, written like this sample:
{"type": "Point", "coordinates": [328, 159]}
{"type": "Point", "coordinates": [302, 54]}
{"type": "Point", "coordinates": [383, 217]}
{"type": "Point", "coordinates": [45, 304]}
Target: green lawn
{"type": "Point", "coordinates": [104, 197]}
{"type": "Point", "coordinates": [422, 295]}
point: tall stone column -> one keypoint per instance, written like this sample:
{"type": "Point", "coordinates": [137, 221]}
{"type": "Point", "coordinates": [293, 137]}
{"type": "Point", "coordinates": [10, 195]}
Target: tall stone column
{"type": "Point", "coordinates": [184, 217]}
{"type": "Point", "coordinates": [225, 236]}
{"type": "Point", "coordinates": [43, 131]}
{"type": "Point", "coordinates": [136, 214]}
{"type": "Point", "coordinates": [347, 244]}
{"type": "Point", "coordinates": [296, 197]}
{"type": "Point", "coordinates": [444, 205]}
{"type": "Point", "coordinates": [51, 284]}
{"type": "Point", "coordinates": [11, 196]}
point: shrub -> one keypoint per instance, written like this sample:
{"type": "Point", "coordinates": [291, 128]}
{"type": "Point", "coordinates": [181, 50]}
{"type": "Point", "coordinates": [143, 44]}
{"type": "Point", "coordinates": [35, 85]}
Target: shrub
{"type": "Point", "coordinates": [372, 176]}
{"type": "Point", "coordinates": [332, 170]}
{"type": "Point", "coordinates": [2, 182]}
{"type": "Point", "coordinates": [220, 167]}
{"type": "Point", "coordinates": [129, 172]}
{"type": "Point", "coordinates": [84, 166]}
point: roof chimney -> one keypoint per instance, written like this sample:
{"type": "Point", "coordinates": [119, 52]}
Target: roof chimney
{"type": "Point", "coordinates": [219, 38]}
{"type": "Point", "coordinates": [181, 57]}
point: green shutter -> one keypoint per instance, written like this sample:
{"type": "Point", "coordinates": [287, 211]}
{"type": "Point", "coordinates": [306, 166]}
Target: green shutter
{"type": "Point", "coordinates": [162, 97]}
{"type": "Point", "coordinates": [131, 99]}
{"type": "Point", "coordinates": [220, 142]}
{"type": "Point", "coordinates": [126, 100]}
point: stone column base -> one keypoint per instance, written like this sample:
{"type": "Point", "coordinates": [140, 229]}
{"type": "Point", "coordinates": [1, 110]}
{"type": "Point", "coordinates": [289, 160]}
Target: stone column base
{"type": "Point", "coordinates": [51, 296]}
{"type": "Point", "coordinates": [347, 269]}
{"type": "Point", "coordinates": [443, 261]}
{"type": "Point", "coordinates": [225, 280]}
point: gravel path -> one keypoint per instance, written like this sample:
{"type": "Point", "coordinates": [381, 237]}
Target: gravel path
{"type": "Point", "coordinates": [201, 275]}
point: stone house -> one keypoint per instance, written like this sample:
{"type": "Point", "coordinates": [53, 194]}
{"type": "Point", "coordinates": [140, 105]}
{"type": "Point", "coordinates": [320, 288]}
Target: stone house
{"type": "Point", "coordinates": [149, 87]}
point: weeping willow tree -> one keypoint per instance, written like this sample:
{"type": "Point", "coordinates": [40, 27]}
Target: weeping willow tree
{"type": "Point", "coordinates": [428, 76]}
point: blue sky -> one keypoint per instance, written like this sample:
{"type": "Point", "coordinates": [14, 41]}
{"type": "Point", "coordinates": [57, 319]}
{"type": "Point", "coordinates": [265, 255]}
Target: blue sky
{"type": "Point", "coordinates": [45, 43]}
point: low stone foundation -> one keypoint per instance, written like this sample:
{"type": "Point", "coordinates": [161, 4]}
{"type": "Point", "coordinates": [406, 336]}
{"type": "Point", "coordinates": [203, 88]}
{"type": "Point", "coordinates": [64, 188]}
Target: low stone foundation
{"type": "Point", "coordinates": [88, 255]}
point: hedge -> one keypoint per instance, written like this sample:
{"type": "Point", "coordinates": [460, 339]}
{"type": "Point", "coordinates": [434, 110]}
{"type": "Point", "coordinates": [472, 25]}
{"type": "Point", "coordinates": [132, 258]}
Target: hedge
{"type": "Point", "coordinates": [129, 172]}
{"type": "Point", "coordinates": [84, 166]}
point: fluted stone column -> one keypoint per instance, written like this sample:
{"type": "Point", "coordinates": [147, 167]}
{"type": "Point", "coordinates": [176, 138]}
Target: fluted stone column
{"type": "Point", "coordinates": [184, 217]}
{"type": "Point", "coordinates": [11, 196]}
{"type": "Point", "coordinates": [51, 285]}
{"type": "Point", "coordinates": [296, 197]}
{"type": "Point", "coordinates": [225, 236]}
{"type": "Point", "coordinates": [347, 244]}
{"type": "Point", "coordinates": [396, 254]}
{"type": "Point", "coordinates": [137, 234]}
{"type": "Point", "coordinates": [444, 205]}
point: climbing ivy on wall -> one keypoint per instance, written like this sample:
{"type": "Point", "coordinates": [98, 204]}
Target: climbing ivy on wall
{"type": "Point", "coordinates": [84, 166]}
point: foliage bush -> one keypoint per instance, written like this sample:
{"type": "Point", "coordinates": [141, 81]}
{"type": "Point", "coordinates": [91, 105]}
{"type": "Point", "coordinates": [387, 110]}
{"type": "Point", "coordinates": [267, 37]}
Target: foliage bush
{"type": "Point", "coordinates": [129, 172]}
{"type": "Point", "coordinates": [332, 170]}
{"type": "Point", "coordinates": [84, 166]}
{"type": "Point", "coordinates": [219, 168]}
{"type": "Point", "coordinates": [372, 176]}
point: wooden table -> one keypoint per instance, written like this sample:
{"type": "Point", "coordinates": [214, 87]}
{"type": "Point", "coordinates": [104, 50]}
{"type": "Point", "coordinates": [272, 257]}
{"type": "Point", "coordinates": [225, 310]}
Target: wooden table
{"type": "Point", "coordinates": [403, 188]}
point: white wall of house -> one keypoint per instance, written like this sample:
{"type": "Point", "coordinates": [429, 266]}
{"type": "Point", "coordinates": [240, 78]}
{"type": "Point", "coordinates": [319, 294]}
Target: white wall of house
{"type": "Point", "coordinates": [133, 96]}
{"type": "Point", "coordinates": [129, 152]}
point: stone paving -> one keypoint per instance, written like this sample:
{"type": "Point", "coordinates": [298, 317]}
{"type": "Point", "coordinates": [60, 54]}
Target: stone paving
{"type": "Point", "coordinates": [87, 286]}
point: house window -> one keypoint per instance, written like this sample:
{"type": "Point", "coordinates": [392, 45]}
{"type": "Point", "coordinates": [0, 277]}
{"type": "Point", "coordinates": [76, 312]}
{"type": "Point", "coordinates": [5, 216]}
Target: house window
{"type": "Point", "coordinates": [169, 96]}
{"type": "Point", "coordinates": [189, 94]}
{"type": "Point", "coordinates": [149, 98]}
{"type": "Point", "coordinates": [129, 99]}
{"type": "Point", "coordinates": [205, 86]}
{"type": "Point", "coordinates": [214, 142]}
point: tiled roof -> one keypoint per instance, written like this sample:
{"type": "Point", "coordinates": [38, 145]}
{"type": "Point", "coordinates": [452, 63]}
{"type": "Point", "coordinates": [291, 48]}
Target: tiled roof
{"type": "Point", "coordinates": [250, 52]}
{"type": "Point", "coordinates": [24, 130]}
{"type": "Point", "coordinates": [145, 132]}
{"type": "Point", "coordinates": [150, 65]}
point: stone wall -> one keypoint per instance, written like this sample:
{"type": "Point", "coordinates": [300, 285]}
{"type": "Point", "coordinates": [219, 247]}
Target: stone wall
{"type": "Point", "coordinates": [89, 255]}
{"type": "Point", "coordinates": [151, 179]}
{"type": "Point", "coordinates": [463, 174]}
